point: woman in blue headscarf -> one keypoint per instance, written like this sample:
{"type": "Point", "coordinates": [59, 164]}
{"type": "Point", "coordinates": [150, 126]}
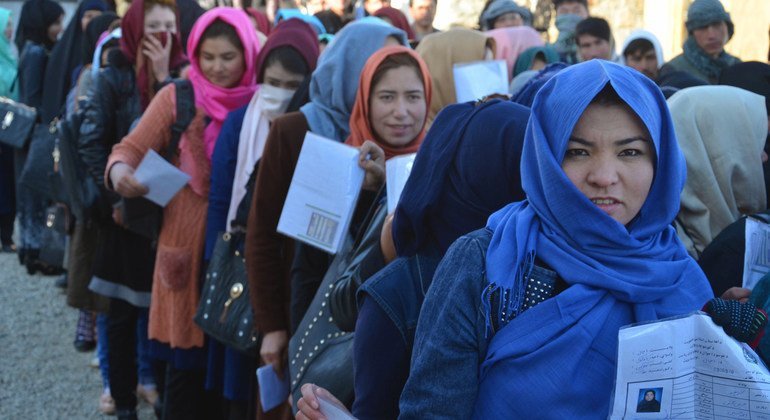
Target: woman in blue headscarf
{"type": "Point", "coordinates": [525, 313]}
{"type": "Point", "coordinates": [466, 169]}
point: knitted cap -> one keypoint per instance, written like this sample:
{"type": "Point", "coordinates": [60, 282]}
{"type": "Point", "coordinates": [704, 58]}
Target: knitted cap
{"type": "Point", "coordinates": [500, 7]}
{"type": "Point", "coordinates": [705, 12]}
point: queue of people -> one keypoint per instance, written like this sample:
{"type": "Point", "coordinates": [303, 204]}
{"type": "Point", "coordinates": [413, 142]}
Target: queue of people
{"type": "Point", "coordinates": [603, 188]}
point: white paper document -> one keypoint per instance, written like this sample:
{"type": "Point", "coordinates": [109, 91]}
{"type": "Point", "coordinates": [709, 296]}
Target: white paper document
{"type": "Point", "coordinates": [478, 79]}
{"type": "Point", "coordinates": [756, 259]}
{"type": "Point", "coordinates": [162, 179]}
{"type": "Point", "coordinates": [332, 411]}
{"type": "Point", "coordinates": [688, 368]}
{"type": "Point", "coordinates": [323, 193]}
{"type": "Point", "coordinates": [397, 172]}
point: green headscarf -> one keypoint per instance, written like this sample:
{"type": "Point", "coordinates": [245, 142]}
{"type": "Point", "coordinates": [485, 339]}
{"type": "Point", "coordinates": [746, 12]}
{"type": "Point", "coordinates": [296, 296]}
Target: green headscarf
{"type": "Point", "coordinates": [524, 62]}
{"type": "Point", "coordinates": [8, 62]}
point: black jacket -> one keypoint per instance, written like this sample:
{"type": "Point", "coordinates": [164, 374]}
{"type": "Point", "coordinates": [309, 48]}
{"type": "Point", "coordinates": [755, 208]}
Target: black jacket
{"type": "Point", "coordinates": [123, 258]}
{"type": "Point", "coordinates": [108, 115]}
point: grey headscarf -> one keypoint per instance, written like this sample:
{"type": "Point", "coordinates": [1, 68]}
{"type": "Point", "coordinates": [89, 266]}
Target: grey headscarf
{"type": "Point", "coordinates": [500, 7]}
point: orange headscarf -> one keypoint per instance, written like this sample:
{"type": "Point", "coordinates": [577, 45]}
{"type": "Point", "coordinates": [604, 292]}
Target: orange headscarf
{"type": "Point", "coordinates": [360, 126]}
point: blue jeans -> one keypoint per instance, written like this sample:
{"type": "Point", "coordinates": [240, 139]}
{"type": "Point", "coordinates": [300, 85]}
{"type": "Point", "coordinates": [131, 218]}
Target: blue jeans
{"type": "Point", "coordinates": [146, 376]}
{"type": "Point", "coordinates": [102, 348]}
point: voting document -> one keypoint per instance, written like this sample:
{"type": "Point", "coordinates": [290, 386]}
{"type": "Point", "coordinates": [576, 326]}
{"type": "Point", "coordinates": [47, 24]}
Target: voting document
{"type": "Point", "coordinates": [323, 193]}
{"type": "Point", "coordinates": [478, 79]}
{"type": "Point", "coordinates": [688, 368]}
{"type": "Point", "coordinates": [397, 172]}
{"type": "Point", "coordinates": [756, 259]}
{"type": "Point", "coordinates": [162, 179]}
{"type": "Point", "coordinates": [273, 389]}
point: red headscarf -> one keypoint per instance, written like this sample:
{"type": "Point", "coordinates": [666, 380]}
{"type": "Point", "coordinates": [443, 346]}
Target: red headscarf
{"type": "Point", "coordinates": [215, 100]}
{"type": "Point", "coordinates": [360, 126]}
{"type": "Point", "coordinates": [294, 33]}
{"type": "Point", "coordinates": [132, 40]}
{"type": "Point", "coordinates": [263, 23]}
{"type": "Point", "coordinates": [397, 19]}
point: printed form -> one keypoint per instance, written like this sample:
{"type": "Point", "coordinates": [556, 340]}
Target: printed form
{"type": "Point", "coordinates": [323, 193]}
{"type": "Point", "coordinates": [756, 260]}
{"type": "Point", "coordinates": [688, 368]}
{"type": "Point", "coordinates": [397, 172]}
{"type": "Point", "coordinates": [478, 79]}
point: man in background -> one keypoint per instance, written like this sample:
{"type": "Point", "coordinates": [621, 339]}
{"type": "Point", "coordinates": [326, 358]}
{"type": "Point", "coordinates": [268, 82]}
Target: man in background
{"type": "Point", "coordinates": [423, 12]}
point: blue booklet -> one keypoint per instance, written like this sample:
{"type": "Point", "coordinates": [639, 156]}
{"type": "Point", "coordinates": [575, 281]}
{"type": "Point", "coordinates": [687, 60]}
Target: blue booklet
{"type": "Point", "coordinates": [273, 390]}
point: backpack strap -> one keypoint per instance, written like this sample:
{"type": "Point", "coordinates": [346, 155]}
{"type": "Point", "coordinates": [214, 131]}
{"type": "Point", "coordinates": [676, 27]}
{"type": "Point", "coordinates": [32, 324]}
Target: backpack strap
{"type": "Point", "coordinates": [185, 112]}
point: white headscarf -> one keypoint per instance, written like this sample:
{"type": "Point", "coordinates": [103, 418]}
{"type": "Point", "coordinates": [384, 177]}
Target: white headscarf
{"type": "Point", "coordinates": [721, 131]}
{"type": "Point", "coordinates": [642, 34]}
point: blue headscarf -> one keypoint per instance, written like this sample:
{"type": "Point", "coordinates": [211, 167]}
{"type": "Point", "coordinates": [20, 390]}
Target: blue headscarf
{"type": "Point", "coordinates": [314, 22]}
{"type": "Point", "coordinates": [526, 95]}
{"type": "Point", "coordinates": [560, 355]}
{"type": "Point", "coordinates": [467, 168]}
{"type": "Point", "coordinates": [334, 82]}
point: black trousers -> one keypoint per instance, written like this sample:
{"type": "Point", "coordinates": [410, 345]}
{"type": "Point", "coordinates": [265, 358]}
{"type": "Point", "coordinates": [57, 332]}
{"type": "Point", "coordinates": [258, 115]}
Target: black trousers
{"type": "Point", "coordinates": [185, 397]}
{"type": "Point", "coordinates": [121, 336]}
{"type": "Point", "coordinates": [6, 228]}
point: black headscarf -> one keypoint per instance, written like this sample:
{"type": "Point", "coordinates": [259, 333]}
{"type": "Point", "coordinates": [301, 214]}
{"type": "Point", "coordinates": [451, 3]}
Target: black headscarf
{"type": "Point", "coordinates": [36, 17]}
{"type": "Point", "coordinates": [752, 76]}
{"type": "Point", "coordinates": [672, 82]}
{"type": "Point", "coordinates": [65, 58]}
{"type": "Point", "coordinates": [189, 12]}
{"type": "Point", "coordinates": [467, 168]}
{"type": "Point", "coordinates": [94, 30]}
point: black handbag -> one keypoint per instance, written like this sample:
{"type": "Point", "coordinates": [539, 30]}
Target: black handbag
{"type": "Point", "coordinates": [54, 238]}
{"type": "Point", "coordinates": [16, 122]}
{"type": "Point", "coordinates": [39, 167]}
{"type": "Point", "coordinates": [224, 311]}
{"type": "Point", "coordinates": [320, 352]}
{"type": "Point", "coordinates": [59, 218]}
{"type": "Point", "coordinates": [140, 215]}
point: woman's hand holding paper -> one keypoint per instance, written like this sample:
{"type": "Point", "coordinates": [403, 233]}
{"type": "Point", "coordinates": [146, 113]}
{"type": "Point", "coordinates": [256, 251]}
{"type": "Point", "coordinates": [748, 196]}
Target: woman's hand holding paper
{"type": "Point", "coordinates": [372, 160]}
{"type": "Point", "coordinates": [124, 182]}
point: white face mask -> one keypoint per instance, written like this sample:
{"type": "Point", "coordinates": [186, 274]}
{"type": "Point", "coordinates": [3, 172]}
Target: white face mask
{"type": "Point", "coordinates": [273, 101]}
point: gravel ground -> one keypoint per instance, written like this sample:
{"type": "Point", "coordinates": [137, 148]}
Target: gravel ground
{"type": "Point", "coordinates": [41, 374]}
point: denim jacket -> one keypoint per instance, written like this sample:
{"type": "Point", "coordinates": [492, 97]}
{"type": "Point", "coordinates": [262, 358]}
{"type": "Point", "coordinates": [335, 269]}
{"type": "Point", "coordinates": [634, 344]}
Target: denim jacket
{"type": "Point", "coordinates": [399, 290]}
{"type": "Point", "coordinates": [451, 340]}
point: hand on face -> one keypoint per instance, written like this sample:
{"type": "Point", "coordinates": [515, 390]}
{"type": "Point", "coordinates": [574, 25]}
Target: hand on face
{"type": "Point", "coordinates": [609, 158]}
{"type": "Point", "coordinates": [157, 49]}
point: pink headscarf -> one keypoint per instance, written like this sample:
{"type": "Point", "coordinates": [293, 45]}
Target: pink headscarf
{"type": "Point", "coordinates": [215, 100]}
{"type": "Point", "coordinates": [511, 42]}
